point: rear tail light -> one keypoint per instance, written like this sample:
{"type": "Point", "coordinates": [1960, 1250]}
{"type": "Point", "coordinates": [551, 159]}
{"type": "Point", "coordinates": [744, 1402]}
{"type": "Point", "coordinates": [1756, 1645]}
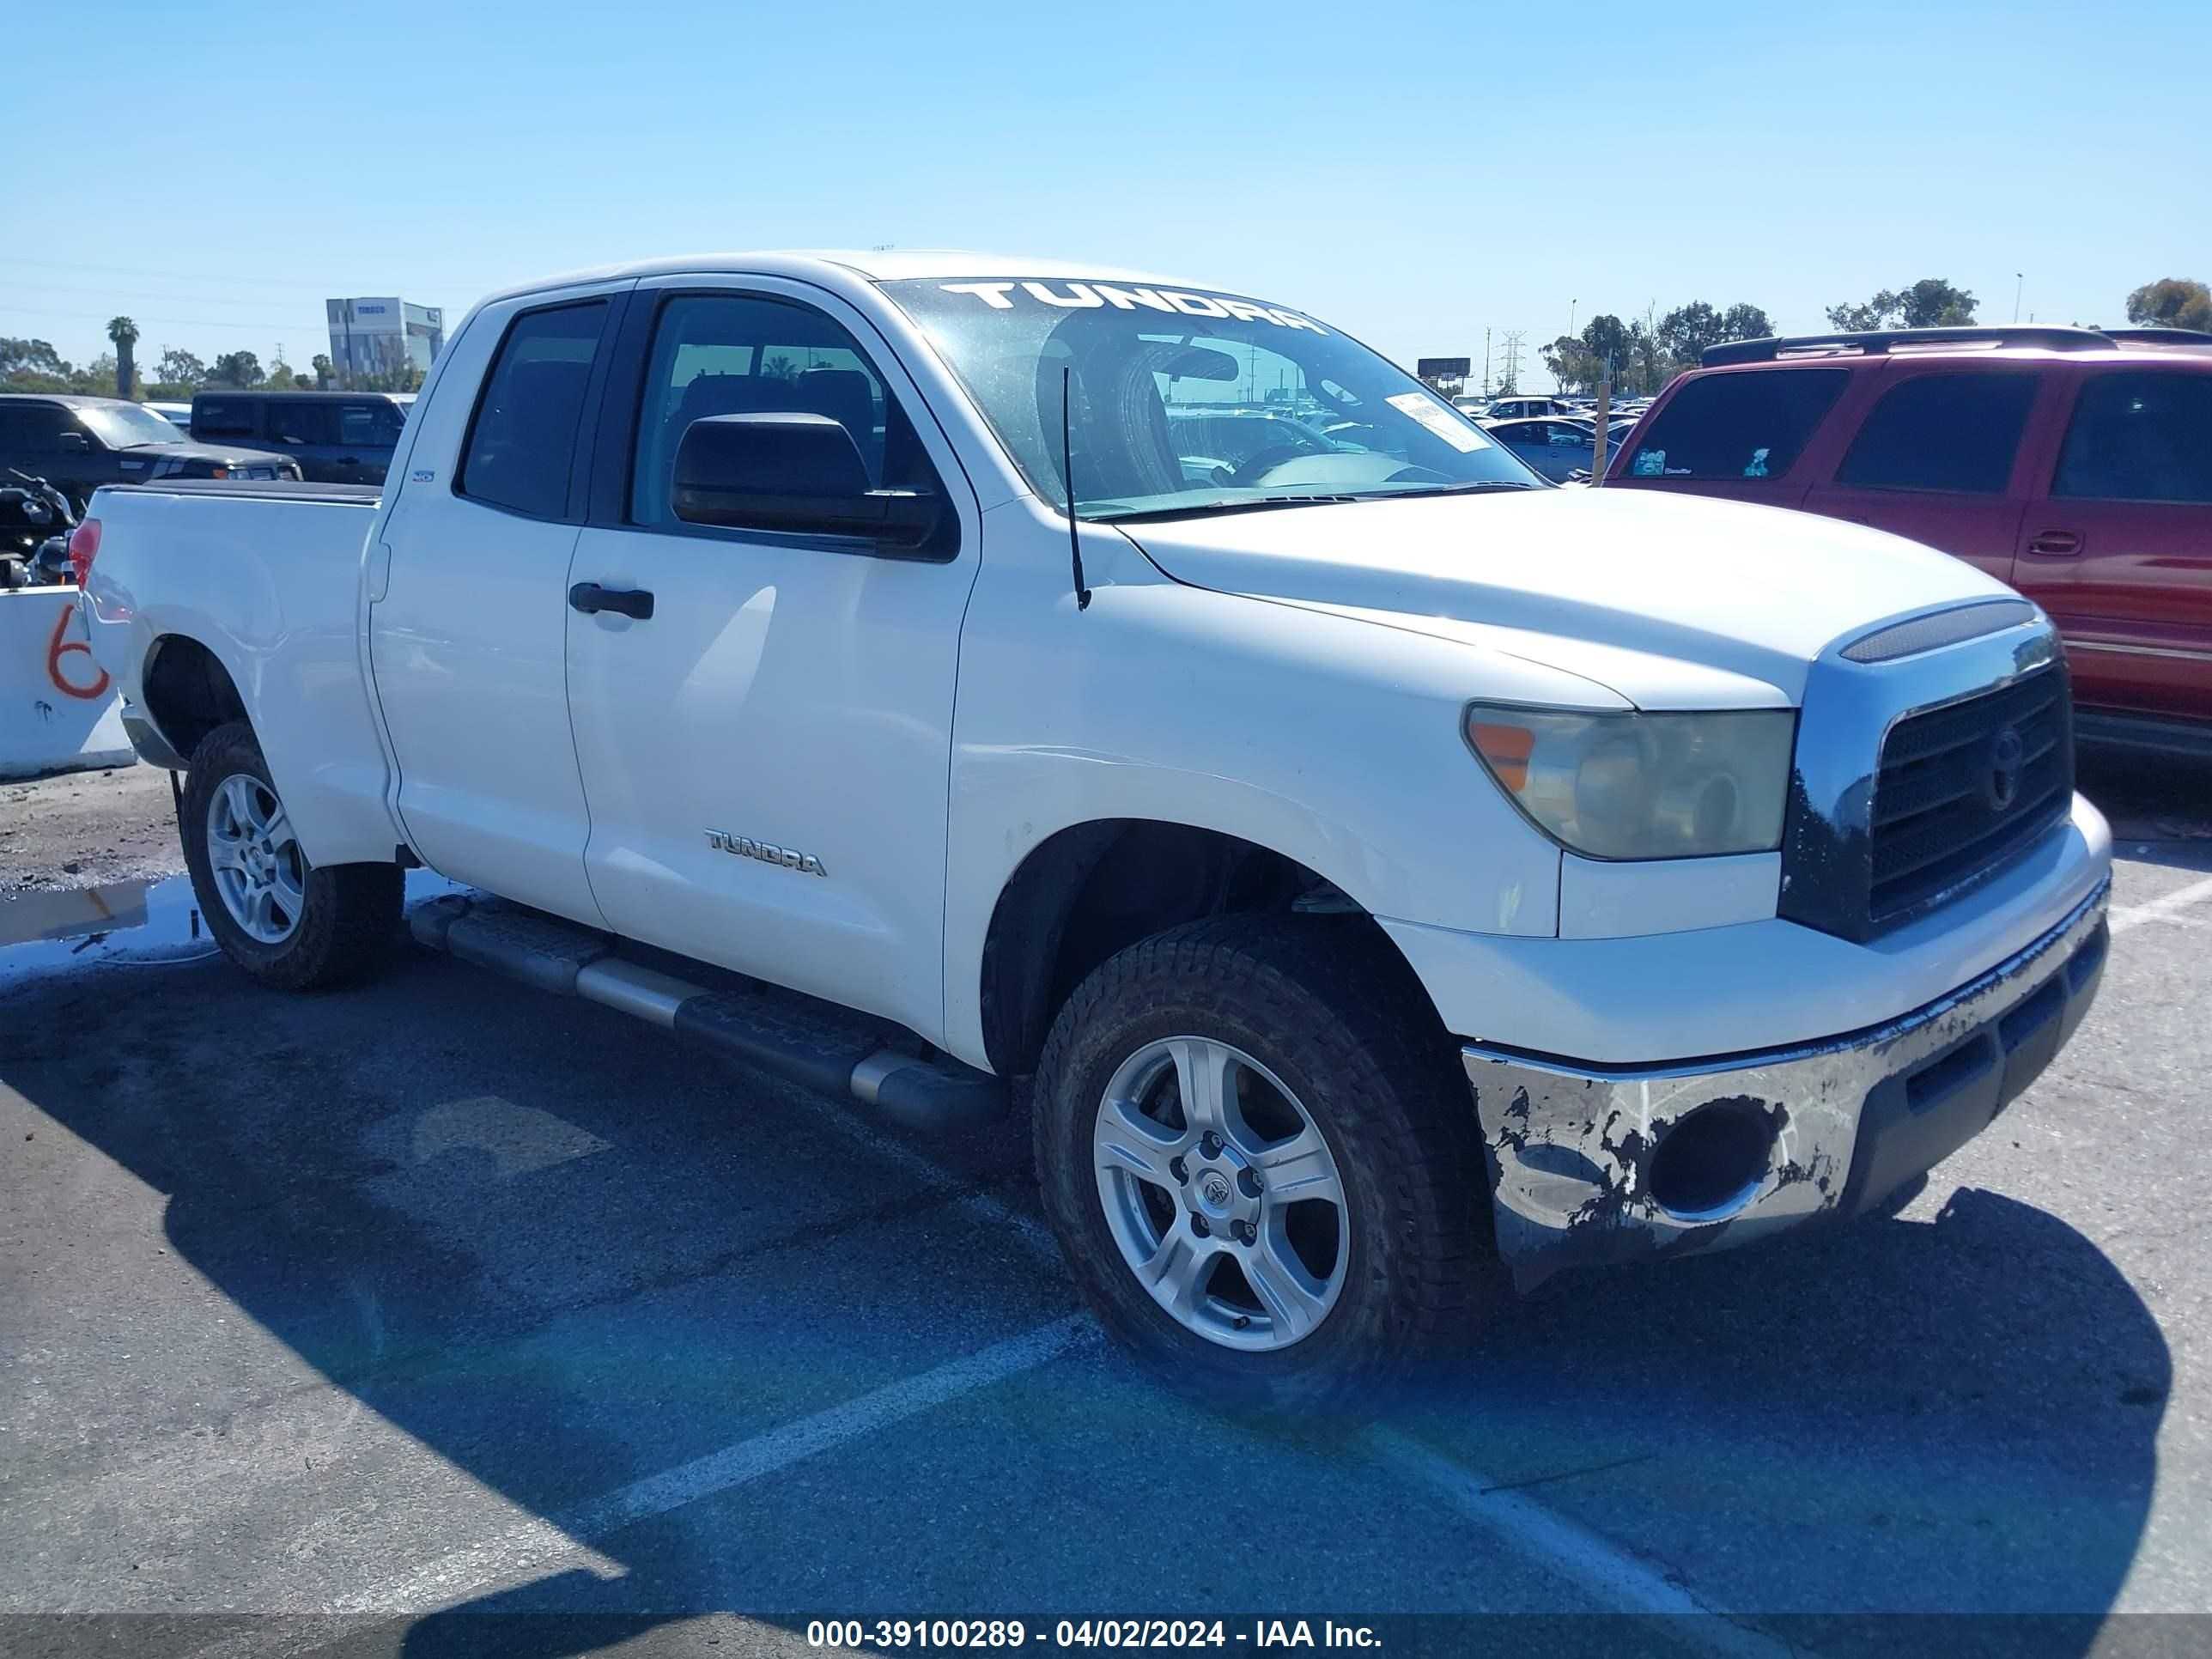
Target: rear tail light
{"type": "Point", "coordinates": [83, 548]}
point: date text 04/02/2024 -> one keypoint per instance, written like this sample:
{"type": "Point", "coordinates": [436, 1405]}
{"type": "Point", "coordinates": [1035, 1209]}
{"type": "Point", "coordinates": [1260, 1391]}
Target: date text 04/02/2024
{"type": "Point", "coordinates": [895, 1634]}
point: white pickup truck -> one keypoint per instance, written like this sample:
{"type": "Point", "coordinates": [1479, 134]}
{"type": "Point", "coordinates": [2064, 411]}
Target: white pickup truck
{"type": "Point", "coordinates": [940, 679]}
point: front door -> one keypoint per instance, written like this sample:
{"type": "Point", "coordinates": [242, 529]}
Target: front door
{"type": "Point", "coordinates": [2119, 551]}
{"type": "Point", "coordinates": [766, 755]}
{"type": "Point", "coordinates": [468, 605]}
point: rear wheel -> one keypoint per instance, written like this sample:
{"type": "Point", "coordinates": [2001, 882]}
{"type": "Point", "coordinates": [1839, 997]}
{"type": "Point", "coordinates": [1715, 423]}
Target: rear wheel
{"type": "Point", "coordinates": [1254, 1152]}
{"type": "Point", "coordinates": [279, 917]}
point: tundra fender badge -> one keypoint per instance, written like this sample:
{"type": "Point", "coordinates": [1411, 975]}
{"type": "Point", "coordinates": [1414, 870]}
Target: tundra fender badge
{"type": "Point", "coordinates": [767, 852]}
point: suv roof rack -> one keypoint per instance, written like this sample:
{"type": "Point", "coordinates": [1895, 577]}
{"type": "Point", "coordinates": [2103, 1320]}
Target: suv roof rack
{"type": "Point", "coordinates": [2201, 339]}
{"type": "Point", "coordinates": [1867, 343]}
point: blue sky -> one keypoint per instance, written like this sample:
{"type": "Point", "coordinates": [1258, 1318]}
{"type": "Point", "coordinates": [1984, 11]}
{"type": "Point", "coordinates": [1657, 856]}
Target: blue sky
{"type": "Point", "coordinates": [1413, 172]}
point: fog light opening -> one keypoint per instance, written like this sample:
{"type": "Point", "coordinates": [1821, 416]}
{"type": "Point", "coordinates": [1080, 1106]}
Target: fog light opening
{"type": "Point", "coordinates": [1709, 1164]}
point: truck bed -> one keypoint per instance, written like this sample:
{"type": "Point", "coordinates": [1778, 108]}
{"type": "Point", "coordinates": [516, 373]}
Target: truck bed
{"type": "Point", "coordinates": [281, 489]}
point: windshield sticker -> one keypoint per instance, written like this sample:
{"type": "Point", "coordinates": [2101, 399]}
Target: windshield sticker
{"type": "Point", "coordinates": [1439, 420]}
{"type": "Point", "coordinates": [1758, 467]}
{"type": "Point", "coordinates": [1092, 296]}
{"type": "Point", "coordinates": [1650, 464]}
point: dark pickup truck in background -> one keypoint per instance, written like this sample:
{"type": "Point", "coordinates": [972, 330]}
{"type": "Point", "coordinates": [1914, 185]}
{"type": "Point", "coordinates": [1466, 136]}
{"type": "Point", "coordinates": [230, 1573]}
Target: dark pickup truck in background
{"type": "Point", "coordinates": [336, 437]}
{"type": "Point", "coordinates": [82, 443]}
{"type": "Point", "coordinates": [2074, 463]}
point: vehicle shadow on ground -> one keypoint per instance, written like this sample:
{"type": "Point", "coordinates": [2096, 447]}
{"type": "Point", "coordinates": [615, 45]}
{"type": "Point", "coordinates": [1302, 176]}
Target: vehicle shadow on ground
{"type": "Point", "coordinates": [1956, 1414]}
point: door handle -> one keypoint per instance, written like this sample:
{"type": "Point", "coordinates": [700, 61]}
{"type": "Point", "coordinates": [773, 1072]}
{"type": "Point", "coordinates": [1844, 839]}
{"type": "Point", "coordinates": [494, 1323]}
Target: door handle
{"type": "Point", "coordinates": [590, 599]}
{"type": "Point", "coordinates": [2055, 541]}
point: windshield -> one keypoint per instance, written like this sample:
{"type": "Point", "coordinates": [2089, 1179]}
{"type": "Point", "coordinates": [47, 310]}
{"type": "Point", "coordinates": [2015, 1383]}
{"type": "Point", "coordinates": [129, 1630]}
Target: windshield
{"type": "Point", "coordinates": [125, 426]}
{"type": "Point", "coordinates": [1183, 401]}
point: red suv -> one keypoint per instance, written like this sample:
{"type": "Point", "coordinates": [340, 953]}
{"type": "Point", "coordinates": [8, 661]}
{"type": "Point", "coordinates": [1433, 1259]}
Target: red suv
{"type": "Point", "coordinates": [2073, 464]}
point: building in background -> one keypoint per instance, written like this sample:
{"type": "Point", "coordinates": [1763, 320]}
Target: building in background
{"type": "Point", "coordinates": [375, 339]}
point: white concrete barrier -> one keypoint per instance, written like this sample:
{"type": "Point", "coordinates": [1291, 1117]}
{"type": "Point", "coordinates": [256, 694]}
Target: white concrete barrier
{"type": "Point", "coordinates": [59, 711]}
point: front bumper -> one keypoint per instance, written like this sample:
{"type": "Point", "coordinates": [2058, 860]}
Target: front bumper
{"type": "Point", "coordinates": [1613, 1164]}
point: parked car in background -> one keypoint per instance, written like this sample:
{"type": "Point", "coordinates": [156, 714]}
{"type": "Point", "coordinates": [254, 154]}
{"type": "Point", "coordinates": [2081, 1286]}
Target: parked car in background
{"type": "Point", "coordinates": [179, 415]}
{"type": "Point", "coordinates": [1518, 409]}
{"type": "Point", "coordinates": [2074, 464]}
{"type": "Point", "coordinates": [82, 443]}
{"type": "Point", "coordinates": [1557, 448]}
{"type": "Point", "coordinates": [336, 437]}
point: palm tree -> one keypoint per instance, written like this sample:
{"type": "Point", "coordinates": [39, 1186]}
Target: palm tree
{"type": "Point", "coordinates": [124, 333]}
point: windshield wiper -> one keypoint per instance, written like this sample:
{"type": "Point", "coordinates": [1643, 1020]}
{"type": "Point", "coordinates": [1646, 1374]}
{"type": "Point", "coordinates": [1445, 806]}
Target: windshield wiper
{"type": "Point", "coordinates": [1236, 504]}
{"type": "Point", "coordinates": [1474, 488]}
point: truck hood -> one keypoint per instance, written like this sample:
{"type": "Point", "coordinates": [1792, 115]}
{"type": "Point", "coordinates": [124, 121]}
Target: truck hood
{"type": "Point", "coordinates": [1670, 600]}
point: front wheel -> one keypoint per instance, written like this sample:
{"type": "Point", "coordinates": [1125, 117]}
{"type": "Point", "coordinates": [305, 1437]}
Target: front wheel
{"type": "Point", "coordinates": [1256, 1158]}
{"type": "Point", "coordinates": [285, 921]}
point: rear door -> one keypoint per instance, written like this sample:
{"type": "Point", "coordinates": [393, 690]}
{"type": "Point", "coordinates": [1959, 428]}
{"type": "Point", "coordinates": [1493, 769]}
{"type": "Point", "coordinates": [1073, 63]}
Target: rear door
{"type": "Point", "coordinates": [1741, 433]}
{"type": "Point", "coordinates": [1936, 457]}
{"type": "Point", "coordinates": [468, 611]}
{"type": "Point", "coordinates": [2119, 549]}
{"type": "Point", "coordinates": [767, 755]}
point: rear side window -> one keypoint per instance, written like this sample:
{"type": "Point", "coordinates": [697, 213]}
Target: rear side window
{"type": "Point", "coordinates": [522, 441]}
{"type": "Point", "coordinates": [2142, 437]}
{"type": "Point", "coordinates": [299, 421]}
{"type": "Point", "coordinates": [1954, 432]}
{"type": "Point", "coordinates": [1736, 426]}
{"type": "Point", "coordinates": [32, 429]}
{"type": "Point", "coordinates": [225, 417]}
{"type": "Point", "coordinates": [371, 424]}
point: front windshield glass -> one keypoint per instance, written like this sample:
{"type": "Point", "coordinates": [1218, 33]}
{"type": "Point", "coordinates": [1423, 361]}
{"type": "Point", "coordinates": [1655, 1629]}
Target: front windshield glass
{"type": "Point", "coordinates": [1182, 401]}
{"type": "Point", "coordinates": [125, 426]}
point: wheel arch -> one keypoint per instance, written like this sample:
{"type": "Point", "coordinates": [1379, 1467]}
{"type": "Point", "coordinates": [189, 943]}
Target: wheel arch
{"type": "Point", "coordinates": [186, 692]}
{"type": "Point", "coordinates": [1091, 889]}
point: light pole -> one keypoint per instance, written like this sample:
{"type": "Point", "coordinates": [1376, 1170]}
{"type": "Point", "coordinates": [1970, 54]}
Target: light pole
{"type": "Point", "coordinates": [2019, 281]}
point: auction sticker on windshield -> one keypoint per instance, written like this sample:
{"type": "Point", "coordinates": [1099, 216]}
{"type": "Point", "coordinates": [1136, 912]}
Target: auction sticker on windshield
{"type": "Point", "coordinates": [1439, 420]}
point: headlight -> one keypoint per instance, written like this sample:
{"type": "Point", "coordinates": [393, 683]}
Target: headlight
{"type": "Point", "coordinates": [1636, 786]}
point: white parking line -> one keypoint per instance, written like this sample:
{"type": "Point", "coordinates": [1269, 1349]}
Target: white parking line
{"type": "Point", "coordinates": [468, 1572]}
{"type": "Point", "coordinates": [1614, 1577]}
{"type": "Point", "coordinates": [1535, 1532]}
{"type": "Point", "coordinates": [2161, 909]}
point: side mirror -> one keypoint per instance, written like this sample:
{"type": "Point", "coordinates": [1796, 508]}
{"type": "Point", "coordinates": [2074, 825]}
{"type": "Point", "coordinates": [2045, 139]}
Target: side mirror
{"type": "Point", "coordinates": [798, 474]}
{"type": "Point", "coordinates": [73, 443]}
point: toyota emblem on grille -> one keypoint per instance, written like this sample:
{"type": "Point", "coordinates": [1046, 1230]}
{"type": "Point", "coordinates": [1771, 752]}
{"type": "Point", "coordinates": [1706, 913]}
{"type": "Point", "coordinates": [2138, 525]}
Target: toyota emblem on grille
{"type": "Point", "coordinates": [2008, 758]}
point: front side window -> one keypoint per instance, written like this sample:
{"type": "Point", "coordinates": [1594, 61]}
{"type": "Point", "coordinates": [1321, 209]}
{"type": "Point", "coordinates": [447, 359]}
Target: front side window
{"type": "Point", "coordinates": [1952, 432]}
{"type": "Point", "coordinates": [742, 354]}
{"type": "Point", "coordinates": [2139, 437]}
{"type": "Point", "coordinates": [522, 442]}
{"type": "Point", "coordinates": [1750, 424]}
{"type": "Point", "coordinates": [31, 429]}
{"type": "Point", "coordinates": [1178, 401]}
{"type": "Point", "coordinates": [299, 422]}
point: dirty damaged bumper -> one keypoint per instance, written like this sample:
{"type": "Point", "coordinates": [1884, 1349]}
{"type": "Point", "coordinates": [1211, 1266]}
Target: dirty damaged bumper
{"type": "Point", "coordinates": [1609, 1164]}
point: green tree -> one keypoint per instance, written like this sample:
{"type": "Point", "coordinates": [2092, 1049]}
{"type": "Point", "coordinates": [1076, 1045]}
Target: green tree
{"type": "Point", "coordinates": [1686, 331]}
{"type": "Point", "coordinates": [2172, 302]}
{"type": "Point", "coordinates": [281, 378]}
{"type": "Point", "coordinates": [236, 369]}
{"type": "Point", "coordinates": [1931, 302]}
{"type": "Point", "coordinates": [1570, 365]}
{"type": "Point", "coordinates": [1747, 322]}
{"type": "Point", "coordinates": [180, 368]}
{"type": "Point", "coordinates": [325, 376]}
{"type": "Point", "coordinates": [30, 357]}
{"type": "Point", "coordinates": [124, 333]}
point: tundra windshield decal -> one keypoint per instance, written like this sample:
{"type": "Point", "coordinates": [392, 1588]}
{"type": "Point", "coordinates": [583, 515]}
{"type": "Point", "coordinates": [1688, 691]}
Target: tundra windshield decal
{"type": "Point", "coordinates": [1171, 301]}
{"type": "Point", "coordinates": [1178, 401]}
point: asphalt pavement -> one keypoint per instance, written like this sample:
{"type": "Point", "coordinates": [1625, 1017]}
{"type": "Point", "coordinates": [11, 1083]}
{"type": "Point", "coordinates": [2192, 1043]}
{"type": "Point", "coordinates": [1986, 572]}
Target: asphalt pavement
{"type": "Point", "coordinates": [436, 1316]}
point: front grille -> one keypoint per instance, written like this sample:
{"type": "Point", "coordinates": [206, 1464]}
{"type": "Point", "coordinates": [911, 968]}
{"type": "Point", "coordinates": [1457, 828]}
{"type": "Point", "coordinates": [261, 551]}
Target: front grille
{"type": "Point", "coordinates": [1942, 814]}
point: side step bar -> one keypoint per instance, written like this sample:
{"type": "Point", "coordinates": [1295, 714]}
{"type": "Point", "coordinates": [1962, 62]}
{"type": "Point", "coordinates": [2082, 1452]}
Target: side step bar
{"type": "Point", "coordinates": [807, 1042]}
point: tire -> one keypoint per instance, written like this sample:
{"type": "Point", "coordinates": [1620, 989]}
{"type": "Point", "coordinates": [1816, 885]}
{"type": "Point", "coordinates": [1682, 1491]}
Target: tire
{"type": "Point", "coordinates": [1326, 1014]}
{"type": "Point", "coordinates": [332, 926]}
